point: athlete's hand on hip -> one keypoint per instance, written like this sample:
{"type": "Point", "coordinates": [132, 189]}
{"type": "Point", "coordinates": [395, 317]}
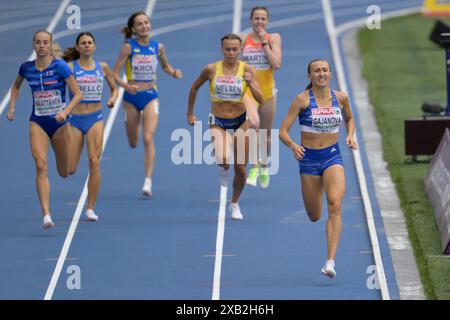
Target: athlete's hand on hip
{"type": "Point", "coordinates": [131, 88]}
{"type": "Point", "coordinates": [191, 119]}
{"type": "Point", "coordinates": [299, 151]}
{"type": "Point", "coordinates": [10, 115]}
{"type": "Point", "coordinates": [61, 116]}
{"type": "Point", "coordinates": [351, 143]}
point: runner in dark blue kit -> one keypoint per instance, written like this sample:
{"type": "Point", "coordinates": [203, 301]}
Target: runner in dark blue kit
{"type": "Point", "coordinates": [321, 110]}
{"type": "Point", "coordinates": [47, 78]}
{"type": "Point", "coordinates": [86, 119]}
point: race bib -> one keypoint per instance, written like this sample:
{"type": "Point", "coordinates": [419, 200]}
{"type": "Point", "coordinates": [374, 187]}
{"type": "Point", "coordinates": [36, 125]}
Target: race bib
{"type": "Point", "coordinates": [91, 87]}
{"type": "Point", "coordinates": [47, 102]}
{"type": "Point", "coordinates": [143, 67]}
{"type": "Point", "coordinates": [256, 57]}
{"type": "Point", "coordinates": [228, 88]}
{"type": "Point", "coordinates": [326, 120]}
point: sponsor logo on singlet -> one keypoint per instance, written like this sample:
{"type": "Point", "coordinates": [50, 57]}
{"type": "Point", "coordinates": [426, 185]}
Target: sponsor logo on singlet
{"type": "Point", "coordinates": [256, 57]}
{"type": "Point", "coordinates": [143, 67]}
{"type": "Point", "coordinates": [47, 102]}
{"type": "Point", "coordinates": [326, 119]}
{"type": "Point", "coordinates": [91, 87]}
{"type": "Point", "coordinates": [228, 88]}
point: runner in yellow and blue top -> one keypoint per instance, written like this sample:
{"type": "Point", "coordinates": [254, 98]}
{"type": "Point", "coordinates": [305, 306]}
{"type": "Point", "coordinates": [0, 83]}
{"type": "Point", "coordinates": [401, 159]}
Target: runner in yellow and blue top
{"type": "Point", "coordinates": [47, 77]}
{"type": "Point", "coordinates": [321, 111]}
{"type": "Point", "coordinates": [262, 51]}
{"type": "Point", "coordinates": [229, 80]}
{"type": "Point", "coordinates": [141, 55]}
{"type": "Point", "coordinates": [86, 119]}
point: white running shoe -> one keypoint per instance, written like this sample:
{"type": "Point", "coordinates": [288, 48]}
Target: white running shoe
{"type": "Point", "coordinates": [223, 176]}
{"type": "Point", "coordinates": [90, 215]}
{"type": "Point", "coordinates": [236, 213]}
{"type": "Point", "coordinates": [47, 222]}
{"type": "Point", "coordinates": [328, 269]}
{"type": "Point", "coordinates": [147, 188]}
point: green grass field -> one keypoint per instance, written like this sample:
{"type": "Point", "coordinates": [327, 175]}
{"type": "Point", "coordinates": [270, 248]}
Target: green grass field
{"type": "Point", "coordinates": [403, 69]}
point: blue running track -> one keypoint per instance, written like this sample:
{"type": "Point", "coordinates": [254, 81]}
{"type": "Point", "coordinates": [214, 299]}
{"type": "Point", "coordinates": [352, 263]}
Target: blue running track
{"type": "Point", "coordinates": [164, 248]}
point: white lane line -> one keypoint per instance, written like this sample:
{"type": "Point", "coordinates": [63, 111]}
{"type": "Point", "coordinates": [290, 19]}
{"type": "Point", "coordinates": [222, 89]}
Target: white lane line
{"type": "Point", "coordinates": [219, 244]}
{"type": "Point", "coordinates": [237, 15]}
{"type": "Point", "coordinates": [332, 34]}
{"type": "Point", "coordinates": [59, 13]}
{"type": "Point", "coordinates": [223, 255]}
{"type": "Point", "coordinates": [76, 217]}
{"type": "Point", "coordinates": [150, 6]}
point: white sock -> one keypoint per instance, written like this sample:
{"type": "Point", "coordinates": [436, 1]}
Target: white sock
{"type": "Point", "coordinates": [148, 181]}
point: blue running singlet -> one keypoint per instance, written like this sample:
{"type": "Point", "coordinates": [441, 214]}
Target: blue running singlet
{"type": "Point", "coordinates": [48, 88]}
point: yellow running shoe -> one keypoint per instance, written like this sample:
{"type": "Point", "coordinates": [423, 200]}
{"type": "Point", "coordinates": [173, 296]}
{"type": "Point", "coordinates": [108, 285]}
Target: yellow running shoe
{"type": "Point", "coordinates": [264, 178]}
{"type": "Point", "coordinates": [253, 176]}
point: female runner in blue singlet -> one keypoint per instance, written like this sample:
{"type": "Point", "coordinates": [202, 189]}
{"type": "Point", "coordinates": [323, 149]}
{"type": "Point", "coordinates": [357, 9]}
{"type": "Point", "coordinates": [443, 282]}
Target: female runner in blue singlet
{"type": "Point", "coordinates": [47, 77]}
{"type": "Point", "coordinates": [320, 111]}
{"type": "Point", "coordinates": [87, 118]}
{"type": "Point", "coordinates": [141, 55]}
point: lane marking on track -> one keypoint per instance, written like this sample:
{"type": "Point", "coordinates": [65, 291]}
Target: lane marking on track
{"type": "Point", "coordinates": [83, 197]}
{"type": "Point", "coordinates": [332, 34]}
{"type": "Point", "coordinates": [219, 244]}
{"type": "Point", "coordinates": [108, 127]}
{"type": "Point", "coordinates": [237, 16]}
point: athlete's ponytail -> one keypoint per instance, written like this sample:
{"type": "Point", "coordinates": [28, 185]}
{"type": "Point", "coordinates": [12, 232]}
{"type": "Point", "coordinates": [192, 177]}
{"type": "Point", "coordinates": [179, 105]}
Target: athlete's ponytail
{"type": "Point", "coordinates": [128, 31]}
{"type": "Point", "coordinates": [72, 54]}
